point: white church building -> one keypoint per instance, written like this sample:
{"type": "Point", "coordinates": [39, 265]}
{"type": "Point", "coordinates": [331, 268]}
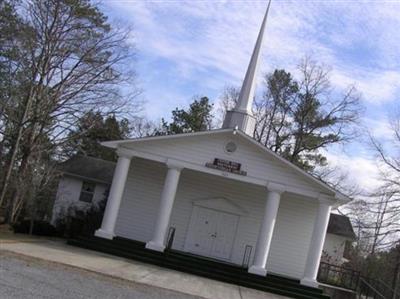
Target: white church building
{"type": "Point", "coordinates": [223, 193]}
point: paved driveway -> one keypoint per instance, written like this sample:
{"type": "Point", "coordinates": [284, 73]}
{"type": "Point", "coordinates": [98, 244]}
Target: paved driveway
{"type": "Point", "coordinates": [23, 277]}
{"type": "Point", "coordinates": [149, 281]}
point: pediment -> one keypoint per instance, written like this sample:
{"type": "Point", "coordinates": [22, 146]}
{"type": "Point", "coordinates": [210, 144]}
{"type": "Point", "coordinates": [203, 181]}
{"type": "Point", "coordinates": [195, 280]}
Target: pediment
{"type": "Point", "coordinates": [198, 151]}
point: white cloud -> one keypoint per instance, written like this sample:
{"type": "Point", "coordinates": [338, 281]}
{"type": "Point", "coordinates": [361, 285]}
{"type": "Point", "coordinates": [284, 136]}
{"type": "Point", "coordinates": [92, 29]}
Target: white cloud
{"type": "Point", "coordinates": [379, 128]}
{"type": "Point", "coordinates": [208, 44]}
{"type": "Point", "coordinates": [362, 170]}
{"type": "Point", "coordinates": [376, 87]}
{"type": "Point", "coordinates": [359, 39]}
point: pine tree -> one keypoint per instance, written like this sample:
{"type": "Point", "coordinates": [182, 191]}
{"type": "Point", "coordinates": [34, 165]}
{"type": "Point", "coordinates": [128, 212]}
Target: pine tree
{"type": "Point", "coordinates": [93, 129]}
{"type": "Point", "coordinates": [197, 118]}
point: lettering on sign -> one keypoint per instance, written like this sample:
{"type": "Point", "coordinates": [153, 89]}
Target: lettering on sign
{"type": "Point", "coordinates": [226, 165]}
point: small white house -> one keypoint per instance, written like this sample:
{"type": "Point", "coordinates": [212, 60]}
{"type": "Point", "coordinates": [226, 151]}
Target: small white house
{"type": "Point", "coordinates": [340, 235]}
{"type": "Point", "coordinates": [84, 181]}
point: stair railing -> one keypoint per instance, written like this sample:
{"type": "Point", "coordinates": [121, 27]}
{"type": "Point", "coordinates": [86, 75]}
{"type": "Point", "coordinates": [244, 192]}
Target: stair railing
{"type": "Point", "coordinates": [383, 288]}
{"type": "Point", "coordinates": [338, 276]}
{"type": "Point", "coordinates": [367, 291]}
{"type": "Point", "coordinates": [246, 256]}
{"type": "Point", "coordinates": [170, 238]}
{"type": "Point", "coordinates": [388, 290]}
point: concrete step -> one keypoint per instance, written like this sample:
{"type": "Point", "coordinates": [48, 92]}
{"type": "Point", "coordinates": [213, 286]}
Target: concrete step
{"type": "Point", "coordinates": [200, 266]}
{"type": "Point", "coordinates": [229, 269]}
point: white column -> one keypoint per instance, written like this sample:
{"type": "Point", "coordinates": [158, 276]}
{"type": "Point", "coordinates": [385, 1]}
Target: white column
{"type": "Point", "coordinates": [166, 203]}
{"type": "Point", "coordinates": [114, 199]}
{"type": "Point", "coordinates": [266, 229]}
{"type": "Point", "coordinates": [317, 243]}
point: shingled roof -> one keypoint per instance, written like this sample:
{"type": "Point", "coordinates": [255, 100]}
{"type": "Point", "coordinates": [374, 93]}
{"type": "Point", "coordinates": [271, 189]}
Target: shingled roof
{"type": "Point", "coordinates": [89, 167]}
{"type": "Point", "coordinates": [341, 225]}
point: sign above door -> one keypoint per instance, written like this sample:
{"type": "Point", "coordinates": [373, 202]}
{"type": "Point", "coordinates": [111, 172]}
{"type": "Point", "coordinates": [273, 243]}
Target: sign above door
{"type": "Point", "coordinates": [226, 165]}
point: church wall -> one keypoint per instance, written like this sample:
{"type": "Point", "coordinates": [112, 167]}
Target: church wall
{"type": "Point", "coordinates": [293, 228]}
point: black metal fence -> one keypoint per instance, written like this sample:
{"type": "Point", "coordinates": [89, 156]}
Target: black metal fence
{"type": "Point", "coordinates": [367, 291]}
{"type": "Point", "coordinates": [365, 288]}
{"type": "Point", "coordinates": [376, 288]}
{"type": "Point", "coordinates": [338, 276]}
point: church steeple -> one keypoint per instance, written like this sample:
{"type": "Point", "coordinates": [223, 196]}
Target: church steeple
{"type": "Point", "coordinates": [241, 116]}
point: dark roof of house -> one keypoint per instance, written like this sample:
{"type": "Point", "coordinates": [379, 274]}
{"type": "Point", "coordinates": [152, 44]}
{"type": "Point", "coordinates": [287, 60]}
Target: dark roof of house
{"type": "Point", "coordinates": [89, 167]}
{"type": "Point", "coordinates": [341, 225]}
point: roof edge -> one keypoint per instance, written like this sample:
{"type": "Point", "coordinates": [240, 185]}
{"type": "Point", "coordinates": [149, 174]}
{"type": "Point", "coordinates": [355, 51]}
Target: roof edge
{"type": "Point", "coordinates": [116, 143]}
{"type": "Point", "coordinates": [338, 196]}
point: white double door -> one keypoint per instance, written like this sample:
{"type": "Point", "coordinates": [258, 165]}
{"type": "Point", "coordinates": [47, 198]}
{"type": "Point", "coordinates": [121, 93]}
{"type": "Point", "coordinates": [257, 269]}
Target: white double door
{"type": "Point", "coordinates": [211, 233]}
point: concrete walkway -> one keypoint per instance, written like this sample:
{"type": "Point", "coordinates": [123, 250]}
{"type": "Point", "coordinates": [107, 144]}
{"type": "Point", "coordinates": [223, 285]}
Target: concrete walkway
{"type": "Point", "coordinates": [57, 251]}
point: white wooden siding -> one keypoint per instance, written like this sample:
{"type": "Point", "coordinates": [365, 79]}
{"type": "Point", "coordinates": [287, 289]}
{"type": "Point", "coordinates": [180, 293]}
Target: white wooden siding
{"type": "Point", "coordinates": [334, 248]}
{"type": "Point", "coordinates": [203, 149]}
{"type": "Point", "coordinates": [68, 193]}
{"type": "Point", "coordinates": [140, 204]}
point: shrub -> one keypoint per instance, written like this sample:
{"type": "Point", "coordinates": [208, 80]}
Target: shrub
{"type": "Point", "coordinates": [40, 228]}
{"type": "Point", "coordinates": [77, 222]}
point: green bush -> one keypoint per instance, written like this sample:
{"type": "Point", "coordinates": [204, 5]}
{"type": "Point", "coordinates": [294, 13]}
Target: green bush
{"type": "Point", "coordinates": [77, 222]}
{"type": "Point", "coordinates": [40, 228]}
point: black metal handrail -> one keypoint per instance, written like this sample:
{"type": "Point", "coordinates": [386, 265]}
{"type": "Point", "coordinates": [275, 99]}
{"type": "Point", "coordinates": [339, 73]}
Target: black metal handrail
{"type": "Point", "coordinates": [366, 288]}
{"type": "Point", "coordinates": [382, 288]}
{"type": "Point", "coordinates": [246, 256]}
{"type": "Point", "coordinates": [338, 276]}
{"type": "Point", "coordinates": [367, 291]}
{"type": "Point", "coordinates": [170, 238]}
{"type": "Point", "coordinates": [393, 293]}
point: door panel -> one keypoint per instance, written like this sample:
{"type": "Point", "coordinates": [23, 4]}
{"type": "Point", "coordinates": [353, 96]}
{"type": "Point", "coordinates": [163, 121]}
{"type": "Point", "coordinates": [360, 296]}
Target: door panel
{"type": "Point", "coordinates": [225, 235]}
{"type": "Point", "coordinates": [204, 226]}
{"type": "Point", "coordinates": [212, 233]}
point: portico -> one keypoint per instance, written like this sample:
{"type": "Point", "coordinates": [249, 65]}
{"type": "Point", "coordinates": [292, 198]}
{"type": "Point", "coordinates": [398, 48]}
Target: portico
{"type": "Point", "coordinates": [257, 210]}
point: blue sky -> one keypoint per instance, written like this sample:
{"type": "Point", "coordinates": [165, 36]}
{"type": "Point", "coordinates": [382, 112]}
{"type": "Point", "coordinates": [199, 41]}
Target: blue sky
{"type": "Point", "coordinates": [198, 47]}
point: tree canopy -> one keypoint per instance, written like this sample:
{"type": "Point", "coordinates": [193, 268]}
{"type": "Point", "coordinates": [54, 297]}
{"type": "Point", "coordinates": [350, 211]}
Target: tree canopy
{"type": "Point", "coordinates": [60, 59]}
{"type": "Point", "coordinates": [197, 118]}
{"type": "Point", "coordinates": [299, 116]}
{"type": "Point", "coordinates": [92, 129]}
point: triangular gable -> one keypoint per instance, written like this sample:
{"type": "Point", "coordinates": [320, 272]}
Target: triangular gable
{"type": "Point", "coordinates": [202, 147]}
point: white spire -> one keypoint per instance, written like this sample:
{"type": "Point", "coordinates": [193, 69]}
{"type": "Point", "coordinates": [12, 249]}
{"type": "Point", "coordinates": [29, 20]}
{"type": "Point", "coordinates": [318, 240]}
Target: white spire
{"type": "Point", "coordinates": [245, 101]}
{"type": "Point", "coordinates": [241, 115]}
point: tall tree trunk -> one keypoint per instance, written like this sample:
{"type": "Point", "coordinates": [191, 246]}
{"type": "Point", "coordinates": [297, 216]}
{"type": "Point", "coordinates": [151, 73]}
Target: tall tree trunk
{"type": "Point", "coordinates": [395, 284]}
{"type": "Point", "coordinates": [28, 103]}
{"type": "Point", "coordinates": [396, 276]}
{"type": "Point", "coordinates": [31, 224]}
{"type": "Point", "coordinates": [20, 191]}
{"type": "Point", "coordinates": [16, 145]}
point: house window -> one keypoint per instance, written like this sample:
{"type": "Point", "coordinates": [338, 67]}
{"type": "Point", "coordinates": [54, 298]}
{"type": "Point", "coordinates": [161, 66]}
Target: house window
{"type": "Point", "coordinates": [87, 192]}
